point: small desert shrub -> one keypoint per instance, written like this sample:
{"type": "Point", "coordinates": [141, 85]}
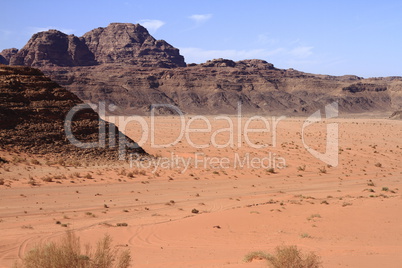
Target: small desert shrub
{"type": "Point", "coordinates": [301, 168]}
{"type": "Point", "coordinates": [122, 172]}
{"type": "Point", "coordinates": [322, 170]}
{"type": "Point", "coordinates": [88, 176]}
{"type": "Point", "coordinates": [75, 163]}
{"type": "Point", "coordinates": [60, 177]}
{"type": "Point", "coordinates": [17, 159]}
{"type": "Point", "coordinates": [67, 254]}
{"type": "Point", "coordinates": [257, 255]}
{"type": "Point", "coordinates": [378, 164]}
{"type": "Point", "coordinates": [90, 214]}
{"type": "Point", "coordinates": [385, 189]}
{"type": "Point", "coordinates": [313, 216]}
{"type": "Point", "coordinates": [291, 257]}
{"type": "Point", "coordinates": [50, 163]}
{"type": "Point", "coordinates": [3, 161]}
{"type": "Point", "coordinates": [35, 162]}
{"type": "Point", "coordinates": [61, 162]}
{"type": "Point", "coordinates": [76, 174]}
{"type": "Point", "coordinates": [286, 257]}
{"type": "Point", "coordinates": [47, 179]}
{"type": "Point", "coordinates": [1, 181]}
{"type": "Point", "coordinates": [305, 235]}
{"type": "Point", "coordinates": [345, 204]}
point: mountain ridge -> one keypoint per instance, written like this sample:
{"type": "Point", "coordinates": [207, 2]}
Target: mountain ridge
{"type": "Point", "coordinates": [124, 65]}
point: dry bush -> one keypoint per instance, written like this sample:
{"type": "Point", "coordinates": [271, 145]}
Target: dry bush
{"type": "Point", "coordinates": [257, 255]}
{"type": "Point", "coordinates": [35, 162]}
{"type": "Point", "coordinates": [47, 179]}
{"type": "Point", "coordinates": [291, 257]}
{"type": "Point", "coordinates": [287, 257]}
{"type": "Point", "coordinates": [68, 254]}
{"type": "Point", "coordinates": [301, 168]}
{"type": "Point", "coordinates": [322, 170]}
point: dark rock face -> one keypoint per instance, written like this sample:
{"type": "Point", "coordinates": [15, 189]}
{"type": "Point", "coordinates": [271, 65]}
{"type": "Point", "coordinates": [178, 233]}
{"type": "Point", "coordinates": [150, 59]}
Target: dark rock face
{"type": "Point", "coordinates": [53, 48]}
{"type": "Point", "coordinates": [360, 87]}
{"type": "Point", "coordinates": [131, 44]}
{"type": "Point", "coordinates": [32, 115]}
{"type": "Point", "coordinates": [122, 43]}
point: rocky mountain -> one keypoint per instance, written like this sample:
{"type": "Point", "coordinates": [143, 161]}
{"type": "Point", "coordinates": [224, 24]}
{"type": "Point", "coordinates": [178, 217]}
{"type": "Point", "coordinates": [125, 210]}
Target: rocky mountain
{"type": "Point", "coordinates": [33, 110]}
{"type": "Point", "coordinates": [118, 43]}
{"type": "Point", "coordinates": [6, 55]}
{"type": "Point", "coordinates": [124, 65]}
{"type": "Point", "coordinates": [131, 44]}
{"type": "Point", "coordinates": [217, 86]}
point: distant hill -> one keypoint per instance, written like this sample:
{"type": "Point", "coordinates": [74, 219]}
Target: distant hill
{"type": "Point", "coordinates": [124, 65]}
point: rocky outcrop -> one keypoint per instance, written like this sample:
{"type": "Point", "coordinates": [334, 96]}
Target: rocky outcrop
{"type": "Point", "coordinates": [53, 48]}
{"type": "Point", "coordinates": [121, 43]}
{"type": "Point", "coordinates": [33, 110]}
{"type": "Point", "coordinates": [7, 54]}
{"type": "Point", "coordinates": [131, 44]}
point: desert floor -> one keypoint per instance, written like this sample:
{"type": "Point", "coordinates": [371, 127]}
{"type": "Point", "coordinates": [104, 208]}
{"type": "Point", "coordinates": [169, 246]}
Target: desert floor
{"type": "Point", "coordinates": [349, 214]}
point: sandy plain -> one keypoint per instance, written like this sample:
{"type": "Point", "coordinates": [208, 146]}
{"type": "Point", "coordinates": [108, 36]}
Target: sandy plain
{"type": "Point", "coordinates": [349, 214]}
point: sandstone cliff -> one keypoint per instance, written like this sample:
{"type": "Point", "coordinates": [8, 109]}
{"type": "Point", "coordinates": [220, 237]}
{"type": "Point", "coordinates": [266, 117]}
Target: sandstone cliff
{"type": "Point", "coordinates": [217, 86]}
{"type": "Point", "coordinates": [118, 43]}
{"type": "Point", "coordinates": [131, 44]}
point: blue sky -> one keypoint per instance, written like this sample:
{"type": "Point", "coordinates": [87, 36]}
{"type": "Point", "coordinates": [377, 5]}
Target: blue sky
{"type": "Point", "coordinates": [327, 37]}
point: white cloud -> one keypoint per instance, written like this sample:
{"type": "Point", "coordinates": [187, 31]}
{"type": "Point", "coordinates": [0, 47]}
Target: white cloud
{"type": "Point", "coordinates": [34, 30]}
{"type": "Point", "coordinates": [152, 25]}
{"type": "Point", "coordinates": [199, 55]}
{"type": "Point", "coordinates": [5, 32]}
{"type": "Point", "coordinates": [301, 52]}
{"type": "Point", "coordinates": [265, 39]}
{"type": "Point", "coordinates": [200, 18]}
